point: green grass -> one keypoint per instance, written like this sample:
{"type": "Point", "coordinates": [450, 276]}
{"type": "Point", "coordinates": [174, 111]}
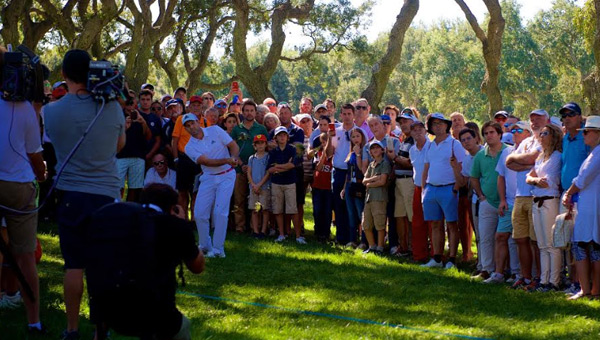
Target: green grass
{"type": "Point", "coordinates": [333, 280]}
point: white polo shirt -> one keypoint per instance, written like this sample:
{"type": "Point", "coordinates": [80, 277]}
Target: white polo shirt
{"type": "Point", "coordinates": [213, 145]}
{"type": "Point", "coordinates": [438, 156]}
{"type": "Point", "coordinates": [528, 145]}
{"type": "Point", "coordinates": [341, 142]}
{"type": "Point", "coordinates": [417, 158]}
{"type": "Point", "coordinates": [510, 176]}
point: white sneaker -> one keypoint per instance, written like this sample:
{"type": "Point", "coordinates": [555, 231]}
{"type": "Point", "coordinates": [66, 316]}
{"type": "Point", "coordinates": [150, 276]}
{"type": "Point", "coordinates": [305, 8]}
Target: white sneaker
{"type": "Point", "coordinates": [449, 265]}
{"type": "Point", "coordinates": [495, 278]}
{"type": "Point", "coordinates": [433, 264]}
{"type": "Point", "coordinates": [280, 238]}
{"type": "Point", "coordinates": [11, 302]}
{"type": "Point", "coordinates": [393, 250]}
{"type": "Point", "coordinates": [300, 240]}
{"type": "Point", "coordinates": [209, 254]}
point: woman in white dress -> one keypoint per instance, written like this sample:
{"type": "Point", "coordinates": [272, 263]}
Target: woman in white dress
{"type": "Point", "coordinates": [586, 233]}
{"type": "Point", "coordinates": [545, 177]}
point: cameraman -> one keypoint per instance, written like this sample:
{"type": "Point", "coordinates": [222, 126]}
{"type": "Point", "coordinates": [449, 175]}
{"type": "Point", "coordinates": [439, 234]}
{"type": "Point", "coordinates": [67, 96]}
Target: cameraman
{"type": "Point", "coordinates": [22, 163]}
{"type": "Point", "coordinates": [90, 179]}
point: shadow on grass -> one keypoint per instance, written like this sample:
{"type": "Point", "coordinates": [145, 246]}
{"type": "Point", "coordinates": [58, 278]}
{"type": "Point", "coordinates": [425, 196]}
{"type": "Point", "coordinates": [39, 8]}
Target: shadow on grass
{"type": "Point", "coordinates": [392, 292]}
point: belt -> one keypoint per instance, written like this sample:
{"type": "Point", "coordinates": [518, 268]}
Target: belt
{"type": "Point", "coordinates": [439, 186]}
{"type": "Point", "coordinates": [540, 200]}
{"type": "Point", "coordinates": [340, 169]}
{"type": "Point", "coordinates": [223, 172]}
{"type": "Point", "coordinates": [403, 176]}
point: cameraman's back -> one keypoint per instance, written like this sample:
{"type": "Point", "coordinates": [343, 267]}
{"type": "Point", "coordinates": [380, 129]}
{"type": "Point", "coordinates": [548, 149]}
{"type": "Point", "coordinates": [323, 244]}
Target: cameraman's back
{"type": "Point", "coordinates": [92, 169]}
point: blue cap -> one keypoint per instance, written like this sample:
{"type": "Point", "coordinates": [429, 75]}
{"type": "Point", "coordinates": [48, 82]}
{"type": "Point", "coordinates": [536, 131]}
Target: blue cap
{"type": "Point", "coordinates": [280, 129]}
{"type": "Point", "coordinates": [188, 117]}
{"type": "Point", "coordinates": [540, 112]}
{"type": "Point", "coordinates": [570, 106]}
{"type": "Point", "coordinates": [376, 142]}
{"type": "Point", "coordinates": [172, 102]}
{"type": "Point", "coordinates": [386, 118]}
{"type": "Point", "coordinates": [220, 101]}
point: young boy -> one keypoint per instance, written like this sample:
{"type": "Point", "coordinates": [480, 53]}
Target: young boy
{"type": "Point", "coordinates": [282, 160]}
{"type": "Point", "coordinates": [260, 187]}
{"type": "Point", "coordinates": [321, 189]}
{"type": "Point", "coordinates": [375, 180]}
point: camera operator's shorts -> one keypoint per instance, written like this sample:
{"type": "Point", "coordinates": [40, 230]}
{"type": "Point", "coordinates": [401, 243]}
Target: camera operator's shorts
{"type": "Point", "coordinates": [73, 217]}
{"type": "Point", "coordinates": [21, 229]}
{"type": "Point", "coordinates": [186, 172]}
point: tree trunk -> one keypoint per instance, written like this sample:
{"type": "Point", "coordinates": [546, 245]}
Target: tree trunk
{"type": "Point", "coordinates": [11, 16]}
{"type": "Point", "coordinates": [492, 50]}
{"type": "Point", "coordinates": [591, 83]}
{"type": "Point", "coordinates": [383, 69]}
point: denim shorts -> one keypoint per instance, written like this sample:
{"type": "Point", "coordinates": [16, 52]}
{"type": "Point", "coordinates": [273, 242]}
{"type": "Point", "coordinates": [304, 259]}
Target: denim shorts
{"type": "Point", "coordinates": [580, 251]}
{"type": "Point", "coordinates": [440, 203]}
{"type": "Point", "coordinates": [505, 222]}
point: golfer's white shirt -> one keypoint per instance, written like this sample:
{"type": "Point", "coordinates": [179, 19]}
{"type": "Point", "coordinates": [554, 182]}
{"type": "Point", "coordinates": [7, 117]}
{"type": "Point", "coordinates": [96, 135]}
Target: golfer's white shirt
{"type": "Point", "coordinates": [213, 145]}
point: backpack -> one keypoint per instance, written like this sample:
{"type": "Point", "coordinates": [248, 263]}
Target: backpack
{"type": "Point", "coordinates": [120, 268]}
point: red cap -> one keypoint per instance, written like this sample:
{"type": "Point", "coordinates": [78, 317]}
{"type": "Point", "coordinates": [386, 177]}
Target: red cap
{"type": "Point", "coordinates": [195, 98]}
{"type": "Point", "coordinates": [260, 138]}
{"type": "Point", "coordinates": [58, 92]}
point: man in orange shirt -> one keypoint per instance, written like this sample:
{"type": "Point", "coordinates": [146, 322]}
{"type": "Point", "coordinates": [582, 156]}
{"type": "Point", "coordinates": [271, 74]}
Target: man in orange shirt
{"type": "Point", "coordinates": [187, 170]}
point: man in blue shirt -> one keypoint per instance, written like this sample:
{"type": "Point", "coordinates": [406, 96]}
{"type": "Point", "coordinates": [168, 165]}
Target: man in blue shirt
{"type": "Point", "coordinates": [574, 149]}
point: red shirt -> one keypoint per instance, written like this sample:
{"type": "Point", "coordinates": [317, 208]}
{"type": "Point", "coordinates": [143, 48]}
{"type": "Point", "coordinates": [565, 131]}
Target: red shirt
{"type": "Point", "coordinates": [322, 178]}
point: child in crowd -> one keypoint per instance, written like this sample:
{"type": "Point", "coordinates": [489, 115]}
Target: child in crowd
{"type": "Point", "coordinates": [282, 160]}
{"type": "Point", "coordinates": [354, 189]}
{"type": "Point", "coordinates": [260, 186]}
{"type": "Point", "coordinates": [321, 188]}
{"type": "Point", "coordinates": [375, 180]}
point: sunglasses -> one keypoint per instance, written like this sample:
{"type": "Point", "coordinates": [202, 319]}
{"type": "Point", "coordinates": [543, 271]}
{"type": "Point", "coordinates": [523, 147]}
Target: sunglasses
{"type": "Point", "coordinates": [359, 107]}
{"type": "Point", "coordinates": [221, 106]}
{"type": "Point", "coordinates": [517, 130]}
{"type": "Point", "coordinates": [569, 114]}
{"type": "Point", "coordinates": [544, 133]}
{"type": "Point", "coordinates": [159, 163]}
{"type": "Point", "coordinates": [387, 123]}
{"type": "Point", "coordinates": [156, 108]}
{"type": "Point", "coordinates": [207, 98]}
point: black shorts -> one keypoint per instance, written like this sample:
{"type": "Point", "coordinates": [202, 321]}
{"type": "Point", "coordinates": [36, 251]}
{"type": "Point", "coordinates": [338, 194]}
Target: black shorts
{"type": "Point", "coordinates": [73, 217]}
{"type": "Point", "coordinates": [300, 193]}
{"type": "Point", "coordinates": [186, 172]}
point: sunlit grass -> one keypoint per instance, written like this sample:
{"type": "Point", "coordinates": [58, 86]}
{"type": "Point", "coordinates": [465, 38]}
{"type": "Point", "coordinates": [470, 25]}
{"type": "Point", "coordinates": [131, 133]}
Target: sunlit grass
{"type": "Point", "coordinates": [338, 281]}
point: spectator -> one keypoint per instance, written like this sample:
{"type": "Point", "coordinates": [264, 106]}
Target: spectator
{"type": "Point", "coordinates": [180, 93]}
{"type": "Point", "coordinates": [160, 172]}
{"type": "Point", "coordinates": [261, 111]}
{"type": "Point", "coordinates": [221, 105]}
{"type": "Point", "coordinates": [271, 104]}
{"type": "Point", "coordinates": [306, 105]}
{"type": "Point", "coordinates": [243, 134]}
{"type": "Point", "coordinates": [330, 104]}
{"type": "Point", "coordinates": [354, 190]}
{"type": "Point", "coordinates": [545, 178]}
{"type": "Point", "coordinates": [153, 122]}
{"type": "Point", "coordinates": [586, 233]}
{"type": "Point", "coordinates": [341, 142]}
{"type": "Point", "coordinates": [231, 120]}
{"type": "Point", "coordinates": [375, 180]}
{"type": "Point", "coordinates": [421, 232]}
{"type": "Point", "coordinates": [282, 161]}
{"type": "Point", "coordinates": [394, 113]}
{"type": "Point", "coordinates": [458, 123]}
{"type": "Point", "coordinates": [260, 186]}
{"type": "Point", "coordinates": [468, 139]}
{"type": "Point", "coordinates": [361, 114]}
{"type": "Point", "coordinates": [208, 101]}
{"type": "Point", "coordinates": [130, 160]}
{"type": "Point", "coordinates": [158, 110]}
{"type": "Point", "coordinates": [440, 201]}
{"type": "Point", "coordinates": [212, 116]}
{"type": "Point", "coordinates": [321, 188]}
{"type": "Point", "coordinates": [494, 221]}
{"type": "Point", "coordinates": [271, 121]}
